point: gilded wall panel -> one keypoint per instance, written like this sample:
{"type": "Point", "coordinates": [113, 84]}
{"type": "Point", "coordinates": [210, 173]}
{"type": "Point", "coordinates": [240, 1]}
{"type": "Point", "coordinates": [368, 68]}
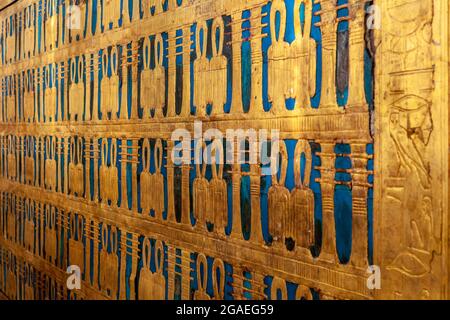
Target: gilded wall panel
{"type": "Point", "coordinates": [223, 149]}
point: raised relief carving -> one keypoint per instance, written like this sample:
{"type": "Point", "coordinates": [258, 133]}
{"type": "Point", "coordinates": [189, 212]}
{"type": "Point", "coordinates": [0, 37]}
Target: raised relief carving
{"type": "Point", "coordinates": [50, 93]}
{"type": "Point", "coordinates": [28, 37]}
{"type": "Point", "coordinates": [11, 280]}
{"type": "Point", "coordinates": [109, 178]}
{"type": "Point", "coordinates": [109, 262]}
{"type": "Point", "coordinates": [78, 33]}
{"type": "Point", "coordinates": [76, 246]}
{"type": "Point", "coordinates": [410, 164]}
{"type": "Point", "coordinates": [300, 222]}
{"type": "Point", "coordinates": [10, 41]}
{"type": "Point", "coordinates": [411, 125]}
{"type": "Point", "coordinates": [28, 108]}
{"type": "Point", "coordinates": [279, 197]}
{"type": "Point", "coordinates": [201, 68]}
{"type": "Point", "coordinates": [218, 211]}
{"type": "Point", "coordinates": [201, 195]}
{"type": "Point", "coordinates": [11, 99]}
{"type": "Point", "coordinates": [303, 293]}
{"type": "Point", "coordinates": [278, 288]}
{"type": "Point", "coordinates": [110, 85]}
{"type": "Point", "coordinates": [302, 61]}
{"type": "Point", "coordinates": [111, 13]}
{"type": "Point", "coordinates": [11, 219]}
{"type": "Point", "coordinates": [51, 25]}
{"type": "Point", "coordinates": [29, 160]}
{"type": "Point", "coordinates": [278, 54]}
{"type": "Point", "coordinates": [76, 168]}
{"type": "Point", "coordinates": [210, 71]}
{"type": "Point", "coordinates": [28, 276]}
{"type": "Point", "coordinates": [146, 179]}
{"type": "Point", "coordinates": [152, 286]}
{"type": "Point", "coordinates": [152, 185]}
{"type": "Point", "coordinates": [153, 81]}
{"type": "Point", "coordinates": [50, 233]}
{"type": "Point", "coordinates": [29, 225]}
{"type": "Point", "coordinates": [218, 279]}
{"type": "Point", "coordinates": [183, 76]}
{"type": "Point", "coordinates": [218, 67]}
{"type": "Point", "coordinates": [12, 166]}
{"type": "Point", "coordinates": [202, 278]}
{"type": "Point", "coordinates": [328, 26]}
{"type": "Point", "coordinates": [50, 163]}
{"type": "Point", "coordinates": [76, 91]}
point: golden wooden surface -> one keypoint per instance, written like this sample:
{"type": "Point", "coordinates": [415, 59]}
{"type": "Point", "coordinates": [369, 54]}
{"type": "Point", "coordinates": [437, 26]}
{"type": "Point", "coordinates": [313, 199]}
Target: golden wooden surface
{"type": "Point", "coordinates": [75, 151]}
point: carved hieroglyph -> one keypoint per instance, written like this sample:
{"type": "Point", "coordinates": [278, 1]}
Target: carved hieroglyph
{"type": "Point", "coordinates": [411, 212]}
{"type": "Point", "coordinates": [88, 176]}
{"type": "Point", "coordinates": [153, 81]}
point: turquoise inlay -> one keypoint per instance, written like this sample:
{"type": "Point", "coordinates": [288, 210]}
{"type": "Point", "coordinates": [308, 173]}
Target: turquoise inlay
{"type": "Point", "coordinates": [370, 166]}
{"type": "Point", "coordinates": [246, 66]}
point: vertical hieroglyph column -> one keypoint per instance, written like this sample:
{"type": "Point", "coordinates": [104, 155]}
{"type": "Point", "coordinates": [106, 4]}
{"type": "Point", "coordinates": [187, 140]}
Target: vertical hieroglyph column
{"type": "Point", "coordinates": [17, 154]}
{"type": "Point", "coordinates": [41, 95]}
{"type": "Point", "coordinates": [95, 69]}
{"type": "Point", "coordinates": [238, 283]}
{"type": "Point", "coordinates": [360, 188]}
{"type": "Point", "coordinates": [256, 102]}
{"type": "Point", "coordinates": [87, 157]}
{"type": "Point", "coordinates": [171, 262]}
{"type": "Point", "coordinates": [61, 24]}
{"type": "Point", "coordinates": [21, 158]}
{"type": "Point", "coordinates": [66, 164]}
{"type": "Point", "coordinates": [356, 97]}
{"type": "Point", "coordinates": [134, 74]}
{"type": "Point", "coordinates": [90, 11]}
{"type": "Point", "coordinates": [171, 217]}
{"type": "Point", "coordinates": [96, 153]}
{"type": "Point", "coordinates": [126, 19]}
{"type": "Point", "coordinates": [134, 239]}
{"type": "Point", "coordinates": [20, 106]}
{"type": "Point", "coordinates": [256, 235]}
{"type": "Point", "coordinates": [98, 27]}
{"type": "Point", "coordinates": [64, 223]}
{"type": "Point", "coordinates": [96, 240]}
{"type": "Point", "coordinates": [327, 183]}
{"type": "Point", "coordinates": [88, 234]}
{"type": "Point", "coordinates": [42, 160]}
{"type": "Point", "coordinates": [35, 81]}
{"type": "Point", "coordinates": [134, 166]}
{"type": "Point", "coordinates": [328, 26]}
{"type": "Point", "coordinates": [123, 264]}
{"type": "Point", "coordinates": [411, 148]}
{"type": "Point", "coordinates": [2, 163]}
{"type": "Point", "coordinates": [89, 78]}
{"type": "Point", "coordinates": [37, 164]}
{"type": "Point", "coordinates": [66, 90]}
{"type": "Point", "coordinates": [59, 154]}
{"type": "Point", "coordinates": [185, 198]}
{"type": "Point", "coordinates": [172, 73]}
{"type": "Point", "coordinates": [123, 181]}
{"type": "Point", "coordinates": [185, 274]}
{"type": "Point", "coordinates": [236, 40]}
{"type": "Point", "coordinates": [124, 101]}
{"type": "Point", "coordinates": [186, 104]}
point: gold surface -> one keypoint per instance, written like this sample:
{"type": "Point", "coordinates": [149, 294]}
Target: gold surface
{"type": "Point", "coordinates": [72, 143]}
